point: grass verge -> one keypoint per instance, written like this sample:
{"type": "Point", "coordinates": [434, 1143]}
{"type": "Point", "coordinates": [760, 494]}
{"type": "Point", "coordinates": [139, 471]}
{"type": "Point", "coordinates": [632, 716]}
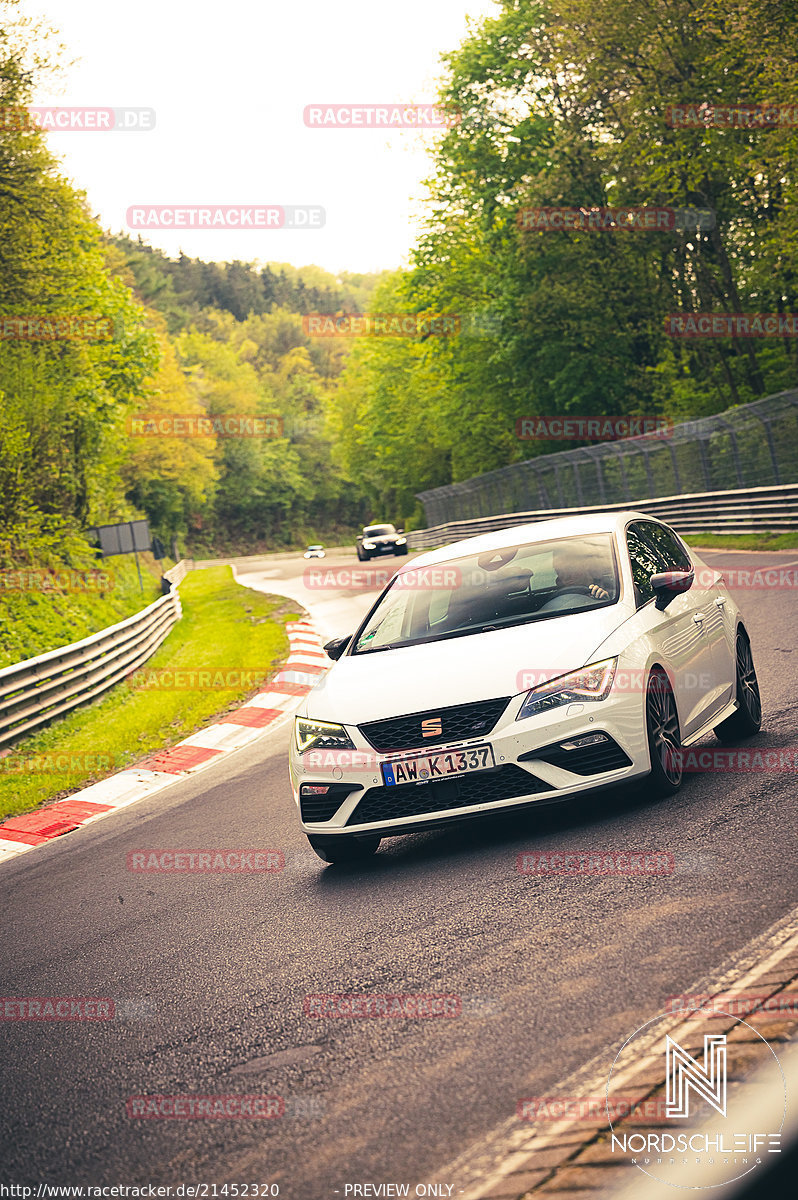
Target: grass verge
{"type": "Point", "coordinates": [744, 541]}
{"type": "Point", "coordinates": [44, 608]}
{"type": "Point", "coordinates": [233, 634]}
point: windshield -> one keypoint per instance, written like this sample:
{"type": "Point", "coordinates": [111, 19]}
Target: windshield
{"type": "Point", "coordinates": [378, 530]}
{"type": "Point", "coordinates": [480, 593]}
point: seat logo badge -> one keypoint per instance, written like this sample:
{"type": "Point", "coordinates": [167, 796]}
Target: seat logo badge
{"type": "Point", "coordinates": [432, 728]}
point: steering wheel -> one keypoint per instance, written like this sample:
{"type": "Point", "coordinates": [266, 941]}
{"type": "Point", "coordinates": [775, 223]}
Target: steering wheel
{"type": "Point", "coordinates": [557, 601]}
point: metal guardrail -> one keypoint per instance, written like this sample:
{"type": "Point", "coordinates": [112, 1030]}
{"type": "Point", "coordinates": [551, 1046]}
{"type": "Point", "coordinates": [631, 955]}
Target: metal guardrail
{"type": "Point", "coordinates": [744, 510]}
{"type": "Point", "coordinates": [178, 572]}
{"type": "Point", "coordinates": [35, 691]}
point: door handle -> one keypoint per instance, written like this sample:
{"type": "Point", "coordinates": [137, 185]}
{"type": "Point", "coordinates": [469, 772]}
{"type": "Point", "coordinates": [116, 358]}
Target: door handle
{"type": "Point", "coordinates": [698, 618]}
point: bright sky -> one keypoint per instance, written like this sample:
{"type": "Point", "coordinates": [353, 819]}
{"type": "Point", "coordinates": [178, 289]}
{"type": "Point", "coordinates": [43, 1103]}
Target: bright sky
{"type": "Point", "coordinates": [229, 82]}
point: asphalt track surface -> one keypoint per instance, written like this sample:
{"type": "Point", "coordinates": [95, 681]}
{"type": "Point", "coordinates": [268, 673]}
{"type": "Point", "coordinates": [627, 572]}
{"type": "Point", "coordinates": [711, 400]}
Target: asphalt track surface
{"type": "Point", "coordinates": [213, 969]}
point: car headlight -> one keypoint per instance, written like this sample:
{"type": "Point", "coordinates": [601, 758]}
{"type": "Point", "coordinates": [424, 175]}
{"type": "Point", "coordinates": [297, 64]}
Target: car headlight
{"type": "Point", "coordinates": [589, 683]}
{"type": "Point", "coordinates": [320, 735]}
{"type": "Point", "coordinates": [369, 545]}
{"type": "Point", "coordinates": [401, 541]}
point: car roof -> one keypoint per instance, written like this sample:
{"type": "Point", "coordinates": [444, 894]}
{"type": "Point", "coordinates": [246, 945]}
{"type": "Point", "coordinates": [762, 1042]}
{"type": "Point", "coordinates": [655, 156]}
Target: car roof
{"type": "Point", "coordinates": [535, 531]}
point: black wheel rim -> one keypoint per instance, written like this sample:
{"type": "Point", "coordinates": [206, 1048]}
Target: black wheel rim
{"type": "Point", "coordinates": [663, 728]}
{"type": "Point", "coordinates": [747, 686]}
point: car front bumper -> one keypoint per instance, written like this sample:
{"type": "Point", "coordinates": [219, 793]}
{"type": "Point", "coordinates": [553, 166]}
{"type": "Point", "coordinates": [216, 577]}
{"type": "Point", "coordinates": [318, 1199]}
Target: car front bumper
{"type": "Point", "coordinates": [368, 806]}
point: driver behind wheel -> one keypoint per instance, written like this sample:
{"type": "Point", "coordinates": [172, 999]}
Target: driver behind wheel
{"type": "Point", "coordinates": [575, 569]}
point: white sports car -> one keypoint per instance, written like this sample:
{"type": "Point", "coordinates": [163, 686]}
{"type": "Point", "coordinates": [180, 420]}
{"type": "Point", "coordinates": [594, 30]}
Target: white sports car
{"type": "Point", "coordinates": [519, 668]}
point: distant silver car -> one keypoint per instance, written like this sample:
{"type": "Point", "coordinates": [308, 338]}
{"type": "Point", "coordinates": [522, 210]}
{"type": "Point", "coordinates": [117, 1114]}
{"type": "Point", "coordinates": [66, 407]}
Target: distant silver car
{"type": "Point", "coordinates": [314, 552]}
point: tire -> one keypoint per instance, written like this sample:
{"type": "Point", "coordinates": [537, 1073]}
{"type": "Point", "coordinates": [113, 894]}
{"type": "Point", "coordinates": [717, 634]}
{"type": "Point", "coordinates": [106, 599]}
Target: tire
{"type": "Point", "coordinates": [344, 849]}
{"type": "Point", "coordinates": [748, 719]}
{"type": "Point", "coordinates": [664, 737]}
{"type": "Point", "coordinates": [361, 556]}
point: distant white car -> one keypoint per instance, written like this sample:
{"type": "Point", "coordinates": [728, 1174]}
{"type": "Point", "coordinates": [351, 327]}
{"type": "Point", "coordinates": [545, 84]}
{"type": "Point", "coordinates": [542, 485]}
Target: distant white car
{"type": "Point", "coordinates": [516, 668]}
{"type": "Point", "coordinates": [314, 552]}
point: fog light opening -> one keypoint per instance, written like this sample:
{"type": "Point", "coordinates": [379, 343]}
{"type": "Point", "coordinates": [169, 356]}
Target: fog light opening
{"type": "Point", "coordinates": [591, 739]}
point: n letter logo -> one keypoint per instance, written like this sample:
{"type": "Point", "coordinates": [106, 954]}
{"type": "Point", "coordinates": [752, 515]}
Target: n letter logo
{"type": "Point", "coordinates": [683, 1073]}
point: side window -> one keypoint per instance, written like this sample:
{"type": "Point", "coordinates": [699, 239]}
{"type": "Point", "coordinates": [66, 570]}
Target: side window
{"type": "Point", "coordinates": [670, 551]}
{"type": "Point", "coordinates": [645, 563]}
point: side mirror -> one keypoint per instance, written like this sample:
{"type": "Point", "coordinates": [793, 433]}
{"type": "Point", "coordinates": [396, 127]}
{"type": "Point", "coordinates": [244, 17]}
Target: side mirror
{"type": "Point", "coordinates": [668, 584]}
{"type": "Point", "coordinates": [336, 647]}
{"type": "Point", "coordinates": [400, 531]}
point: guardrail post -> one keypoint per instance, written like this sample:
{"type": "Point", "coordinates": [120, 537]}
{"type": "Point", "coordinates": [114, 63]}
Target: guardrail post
{"type": "Point", "coordinates": [676, 476]}
{"type": "Point", "coordinates": [771, 446]}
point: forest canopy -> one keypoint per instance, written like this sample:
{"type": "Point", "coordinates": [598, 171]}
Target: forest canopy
{"type": "Point", "coordinates": [582, 106]}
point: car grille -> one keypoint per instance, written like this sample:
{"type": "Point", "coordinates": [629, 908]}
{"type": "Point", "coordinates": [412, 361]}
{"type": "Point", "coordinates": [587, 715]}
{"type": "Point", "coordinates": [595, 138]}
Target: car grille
{"type": "Point", "coordinates": [587, 760]}
{"type": "Point", "coordinates": [458, 724]}
{"type": "Point", "coordinates": [323, 807]}
{"type": "Point", "coordinates": [413, 799]}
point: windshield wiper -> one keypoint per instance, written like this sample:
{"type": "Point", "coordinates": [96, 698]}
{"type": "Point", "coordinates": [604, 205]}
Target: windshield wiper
{"type": "Point", "coordinates": [377, 649]}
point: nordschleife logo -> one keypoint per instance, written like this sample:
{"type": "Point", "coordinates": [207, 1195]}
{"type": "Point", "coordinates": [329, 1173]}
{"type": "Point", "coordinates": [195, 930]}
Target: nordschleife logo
{"type": "Point", "coordinates": [685, 1126]}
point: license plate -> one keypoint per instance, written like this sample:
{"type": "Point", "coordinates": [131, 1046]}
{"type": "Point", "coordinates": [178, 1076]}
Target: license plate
{"type": "Point", "coordinates": [424, 768]}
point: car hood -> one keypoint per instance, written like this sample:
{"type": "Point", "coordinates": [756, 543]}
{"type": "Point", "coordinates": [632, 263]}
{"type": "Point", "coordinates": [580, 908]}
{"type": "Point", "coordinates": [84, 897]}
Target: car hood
{"type": "Point", "coordinates": [481, 666]}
